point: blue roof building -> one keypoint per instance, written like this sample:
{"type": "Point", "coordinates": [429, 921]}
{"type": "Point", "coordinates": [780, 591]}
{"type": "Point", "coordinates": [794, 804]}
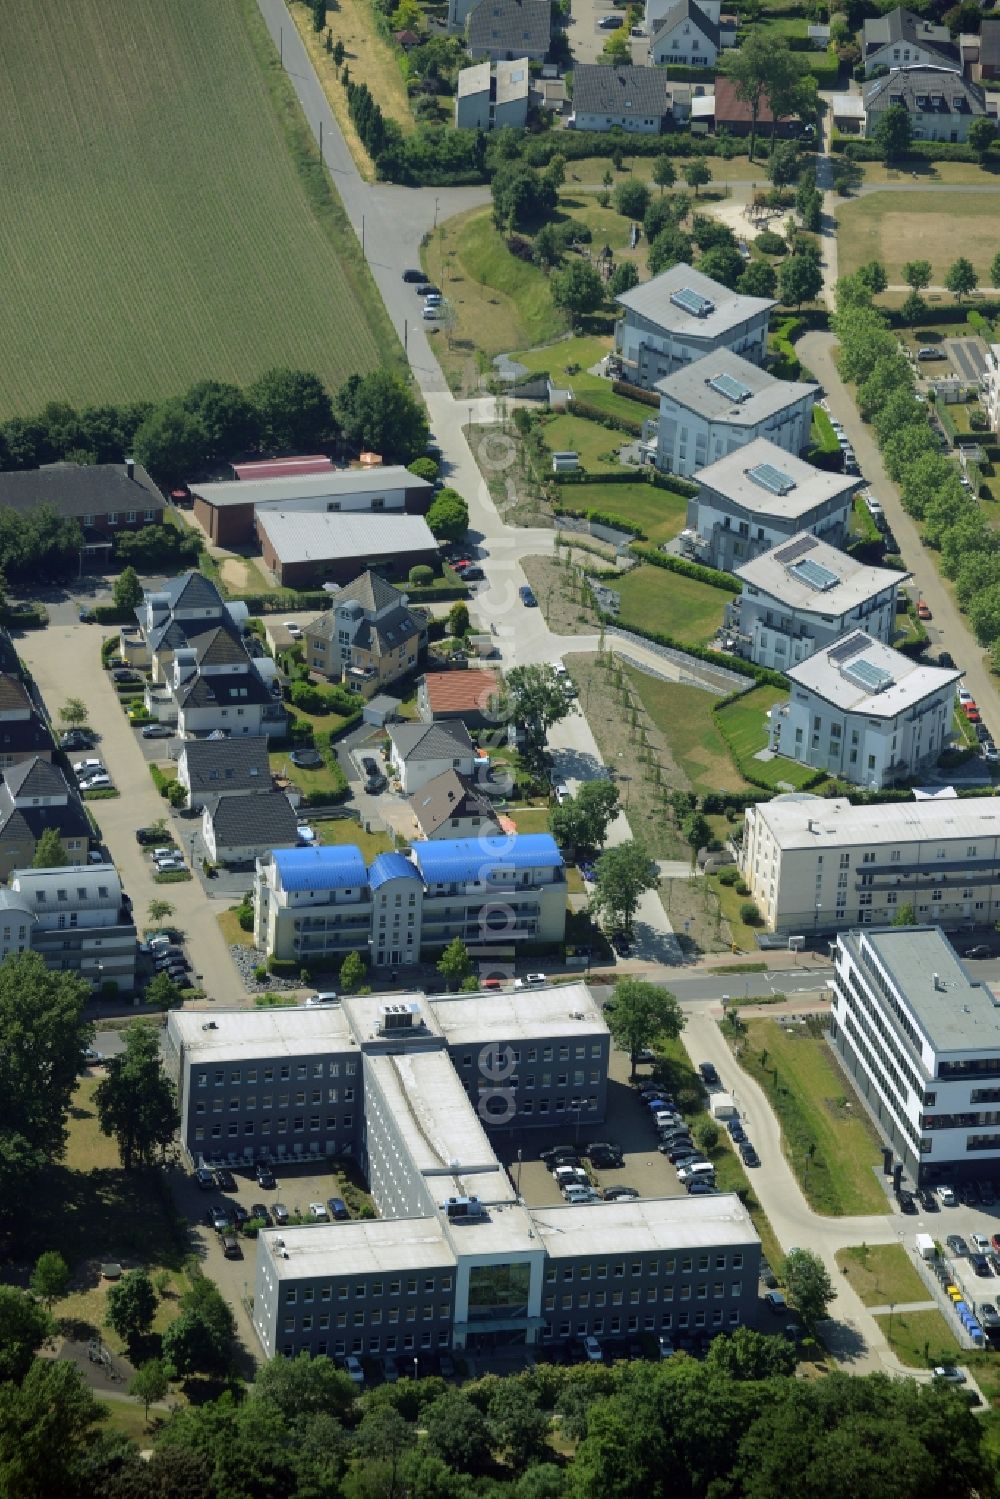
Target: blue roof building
{"type": "Point", "coordinates": [468, 860]}
{"type": "Point", "coordinates": [337, 867]}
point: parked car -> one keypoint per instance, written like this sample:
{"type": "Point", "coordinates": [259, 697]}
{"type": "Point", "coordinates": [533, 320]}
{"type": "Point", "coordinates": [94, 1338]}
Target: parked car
{"type": "Point", "coordinates": [205, 1179]}
{"type": "Point", "coordinates": [146, 836]}
{"type": "Point", "coordinates": [750, 1156]}
{"type": "Point", "coordinates": [219, 1218]}
{"type": "Point", "coordinates": [353, 1369]}
{"type": "Point", "coordinates": [930, 353]}
{"type": "Point", "coordinates": [699, 1188]}
{"type": "Point", "coordinates": [578, 1195]}
{"type": "Point", "coordinates": [709, 1075]}
{"type": "Point", "coordinates": [530, 981]}
{"type": "Point", "coordinates": [231, 1247]}
{"type": "Point", "coordinates": [259, 1210]}
{"type": "Point", "coordinates": [413, 275]}
{"type": "Point", "coordinates": [338, 1209]}
{"type": "Point", "coordinates": [592, 1350]}
{"type": "Point", "coordinates": [923, 610]}
{"type": "Point", "coordinates": [957, 1244]}
{"type": "Point", "coordinates": [76, 739]}
{"type": "Point", "coordinates": [946, 1197]}
{"type": "Point", "coordinates": [265, 1178]}
{"type": "Point", "coordinates": [87, 767]}
{"type": "Point", "coordinates": [928, 1201]}
{"type": "Point", "coordinates": [225, 1179]}
{"type": "Point", "coordinates": [527, 597]}
{"type": "Point", "coordinates": [294, 630]}
{"type": "Point", "coordinates": [279, 1213]}
{"type": "Point", "coordinates": [949, 1374]}
{"type": "Point", "coordinates": [945, 658]}
{"type": "Point", "coordinates": [620, 1194]}
{"type": "Point", "coordinates": [775, 1302]}
{"type": "Point", "coordinates": [318, 1211]}
{"type": "Point", "coordinates": [981, 950]}
{"type": "Point", "coordinates": [906, 1203]}
{"type": "Point", "coordinates": [157, 731]}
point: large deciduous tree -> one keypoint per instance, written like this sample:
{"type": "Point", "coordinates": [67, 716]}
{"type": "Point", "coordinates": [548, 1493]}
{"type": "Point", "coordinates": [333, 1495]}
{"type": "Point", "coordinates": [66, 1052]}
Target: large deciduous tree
{"type": "Point", "coordinates": [294, 411]}
{"type": "Point", "coordinates": [534, 700]}
{"type": "Point", "coordinates": [378, 413]}
{"type": "Point", "coordinates": [757, 69]}
{"type": "Point", "coordinates": [892, 132]}
{"type": "Point", "coordinates": [799, 280]}
{"type": "Point", "coordinates": [810, 1289]}
{"type": "Point", "coordinates": [622, 875]}
{"type": "Point", "coordinates": [578, 288]}
{"type": "Point", "coordinates": [171, 443]}
{"type": "Point", "coordinates": [448, 516]}
{"type": "Point", "coordinates": [135, 1100]}
{"type": "Point", "coordinates": [24, 1327]}
{"type": "Point", "coordinates": [582, 820]}
{"type": "Point", "coordinates": [640, 1013]}
{"type": "Point", "coordinates": [131, 1305]}
{"type": "Point", "coordinates": [961, 278]}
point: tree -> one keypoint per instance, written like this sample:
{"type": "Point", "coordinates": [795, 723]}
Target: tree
{"type": "Point", "coordinates": [873, 275]}
{"type": "Point", "coordinates": [810, 1289]}
{"type": "Point", "coordinates": [917, 274]}
{"type": "Point", "coordinates": [74, 712]}
{"type": "Point", "coordinates": [664, 174]}
{"type": "Point", "coordinates": [46, 1431]}
{"type": "Point", "coordinates": [171, 443]}
{"type": "Point", "coordinates": [799, 280]}
{"type": "Point", "coordinates": [50, 851]}
{"type": "Point", "coordinates": [378, 412]}
{"type": "Point", "coordinates": [305, 1386]}
{"type": "Point", "coordinates": [905, 915]}
{"type": "Point", "coordinates": [697, 173]}
{"type": "Point", "coordinates": [578, 288]}
{"type": "Point", "coordinates": [697, 832]}
{"type": "Point", "coordinates": [995, 270]}
{"type": "Point", "coordinates": [632, 198]}
{"type": "Point", "coordinates": [752, 68]}
{"type": "Point", "coordinates": [892, 133]}
{"type": "Point", "coordinates": [50, 1277]}
{"type": "Point", "coordinates": [159, 910]}
{"type": "Point", "coordinates": [127, 592]}
{"type": "Point", "coordinates": [458, 620]}
{"type": "Point", "coordinates": [748, 1354]}
{"type": "Point", "coordinates": [131, 1305]}
{"type": "Point", "coordinates": [670, 247]}
{"type": "Point", "coordinates": [454, 964]}
{"type": "Point", "coordinates": [135, 1100]}
{"type": "Point", "coordinates": [457, 1432]}
{"type": "Point", "coordinates": [424, 468]}
{"type": "Point", "coordinates": [228, 417]}
{"type": "Point", "coordinates": [200, 1340]}
{"type": "Point", "coordinates": [150, 1383]}
{"type": "Point", "coordinates": [622, 875]}
{"type": "Point", "coordinates": [43, 1035]}
{"type": "Point", "coordinates": [518, 1427]}
{"type": "Point", "coordinates": [618, 47]}
{"type": "Point", "coordinates": [783, 163]}
{"type": "Point", "coordinates": [640, 1013]}
{"type": "Point", "coordinates": [982, 134]}
{"type": "Point", "coordinates": [913, 309]}
{"type": "Point", "coordinates": [534, 700]}
{"type": "Point", "coordinates": [163, 993]}
{"type": "Point", "coordinates": [962, 278]}
{"type": "Point", "coordinates": [24, 1327]}
{"type": "Point", "coordinates": [723, 263]}
{"type": "Point", "coordinates": [597, 803]}
{"type": "Point", "coordinates": [352, 972]}
{"type": "Point", "coordinates": [294, 411]}
{"type": "Point", "coordinates": [448, 516]}
{"type": "Point", "coordinates": [522, 197]}
{"type": "Point", "coordinates": [758, 279]}
{"type": "Point", "coordinates": [622, 279]}
{"type": "Point", "coordinates": [707, 1135]}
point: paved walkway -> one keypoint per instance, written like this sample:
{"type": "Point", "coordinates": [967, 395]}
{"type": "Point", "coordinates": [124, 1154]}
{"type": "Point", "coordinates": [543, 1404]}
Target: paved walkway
{"type": "Point", "coordinates": [949, 626]}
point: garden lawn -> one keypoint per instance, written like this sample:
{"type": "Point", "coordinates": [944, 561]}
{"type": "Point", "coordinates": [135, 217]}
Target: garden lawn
{"type": "Point", "coordinates": [943, 225]}
{"type": "Point", "coordinates": [569, 360]}
{"type": "Point", "coordinates": [684, 717]}
{"type": "Point", "coordinates": [345, 830]}
{"type": "Point", "coordinates": [813, 1105]}
{"type": "Point", "coordinates": [881, 1274]}
{"type": "Point", "coordinates": [686, 609]}
{"type": "Point", "coordinates": [597, 446]}
{"type": "Point", "coordinates": [659, 512]}
{"type": "Point", "coordinates": [730, 903]}
{"type": "Point", "coordinates": [921, 1339]}
{"type": "Point", "coordinates": [175, 226]}
{"type": "Point", "coordinates": [746, 730]}
{"type": "Point", "coordinates": [233, 934]}
{"type": "Point", "coordinates": [326, 778]}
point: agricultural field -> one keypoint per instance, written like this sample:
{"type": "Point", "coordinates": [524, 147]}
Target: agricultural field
{"type": "Point", "coordinates": [943, 225]}
{"type": "Point", "coordinates": [173, 224]}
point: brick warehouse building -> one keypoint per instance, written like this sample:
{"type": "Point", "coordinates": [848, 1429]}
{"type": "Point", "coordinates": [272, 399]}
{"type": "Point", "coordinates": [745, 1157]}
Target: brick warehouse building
{"type": "Point", "coordinates": [228, 511]}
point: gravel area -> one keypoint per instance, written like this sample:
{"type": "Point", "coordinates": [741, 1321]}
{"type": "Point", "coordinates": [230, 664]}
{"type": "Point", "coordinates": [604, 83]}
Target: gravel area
{"type": "Point", "coordinates": [247, 959]}
{"type": "Point", "coordinates": [558, 591]}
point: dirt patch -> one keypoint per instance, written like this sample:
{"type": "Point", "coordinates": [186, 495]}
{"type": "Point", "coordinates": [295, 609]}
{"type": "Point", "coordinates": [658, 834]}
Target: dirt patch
{"type": "Point", "coordinates": [562, 594]}
{"type": "Point", "coordinates": [234, 572]}
{"type": "Point", "coordinates": [695, 915]}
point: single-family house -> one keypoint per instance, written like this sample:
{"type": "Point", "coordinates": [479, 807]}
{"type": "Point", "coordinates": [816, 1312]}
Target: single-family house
{"type": "Point", "coordinates": [864, 712]}
{"type": "Point", "coordinates": [901, 39]}
{"type": "Point", "coordinates": [988, 66]}
{"type": "Point", "coordinates": [679, 317]}
{"type": "Point", "coordinates": [35, 796]}
{"type": "Point", "coordinates": [238, 830]}
{"type": "Point", "coordinates": [452, 806]}
{"type": "Point", "coordinates": [940, 103]}
{"type": "Point", "coordinates": [720, 403]}
{"type": "Point", "coordinates": [228, 511]}
{"type": "Point", "coordinates": [209, 768]}
{"type": "Point", "coordinates": [685, 36]}
{"type": "Point", "coordinates": [802, 596]}
{"type": "Point", "coordinates": [654, 12]}
{"type": "Point", "coordinates": [733, 114]}
{"type": "Point", "coordinates": [760, 496]}
{"type": "Point", "coordinates": [304, 549]}
{"type": "Point", "coordinates": [105, 498]}
{"type": "Point", "coordinates": [420, 751]}
{"type": "Point", "coordinates": [368, 638]}
{"type": "Point", "coordinates": [77, 918]}
{"type": "Point", "coordinates": [506, 29]}
{"type": "Point", "coordinates": [466, 695]}
{"type": "Point", "coordinates": [619, 98]}
{"type": "Point", "coordinates": [24, 734]}
{"type": "Point", "coordinates": [492, 97]}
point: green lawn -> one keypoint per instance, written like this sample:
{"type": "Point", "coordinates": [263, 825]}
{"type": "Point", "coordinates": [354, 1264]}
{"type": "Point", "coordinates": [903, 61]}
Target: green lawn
{"type": "Point", "coordinates": [887, 226]}
{"type": "Point", "coordinates": [169, 223]}
{"type": "Point", "coordinates": [881, 1274]}
{"type": "Point", "coordinates": [341, 830]}
{"type": "Point", "coordinates": [921, 1339]}
{"type": "Point", "coordinates": [232, 932]}
{"type": "Point", "coordinates": [746, 729]}
{"type": "Point", "coordinates": [684, 608]}
{"type": "Point", "coordinates": [596, 445]}
{"type": "Point", "coordinates": [684, 716]}
{"type": "Point", "coordinates": [729, 903]}
{"type": "Point", "coordinates": [810, 1098]}
{"type": "Point", "coordinates": [659, 512]}
{"type": "Point", "coordinates": [328, 778]}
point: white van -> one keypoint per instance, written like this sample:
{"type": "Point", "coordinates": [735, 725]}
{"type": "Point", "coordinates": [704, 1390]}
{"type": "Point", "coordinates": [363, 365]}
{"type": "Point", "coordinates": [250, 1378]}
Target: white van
{"type": "Point", "coordinates": [700, 1171]}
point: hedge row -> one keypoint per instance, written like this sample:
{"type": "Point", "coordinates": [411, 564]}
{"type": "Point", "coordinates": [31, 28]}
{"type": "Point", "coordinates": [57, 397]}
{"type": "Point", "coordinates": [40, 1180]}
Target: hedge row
{"type": "Point", "coordinates": [710, 575]}
{"type": "Point", "coordinates": [603, 518]}
{"type": "Point", "coordinates": [538, 151]}
{"type": "Point", "coordinates": [759, 674]}
{"type": "Point", "coordinates": [648, 476]}
{"type": "Point", "coordinates": [113, 614]}
{"type": "Point", "coordinates": [636, 393]}
{"type": "Point", "coordinates": [614, 423]}
{"type": "Point", "coordinates": [747, 766]}
{"type": "Point", "coordinates": [867, 150]}
{"type": "Point", "coordinates": [441, 595]}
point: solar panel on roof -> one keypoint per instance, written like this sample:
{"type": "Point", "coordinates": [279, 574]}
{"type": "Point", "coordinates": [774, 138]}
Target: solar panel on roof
{"type": "Point", "coordinates": [733, 390]}
{"type": "Point", "coordinates": [814, 574]}
{"type": "Point", "coordinates": [692, 302]}
{"type": "Point", "coordinates": [771, 478]}
{"type": "Point", "coordinates": [795, 549]}
{"type": "Point", "coordinates": [849, 646]}
{"type": "Point", "coordinates": [867, 675]}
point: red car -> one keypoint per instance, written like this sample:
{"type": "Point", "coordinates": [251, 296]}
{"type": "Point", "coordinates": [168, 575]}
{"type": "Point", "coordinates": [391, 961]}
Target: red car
{"type": "Point", "coordinates": [461, 565]}
{"type": "Point", "coordinates": [995, 1241]}
{"type": "Point", "coordinates": [922, 611]}
{"type": "Point", "coordinates": [972, 713]}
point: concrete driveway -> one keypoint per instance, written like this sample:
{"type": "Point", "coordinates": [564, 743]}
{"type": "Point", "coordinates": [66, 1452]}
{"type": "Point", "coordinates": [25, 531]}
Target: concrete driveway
{"type": "Point", "coordinates": [65, 659]}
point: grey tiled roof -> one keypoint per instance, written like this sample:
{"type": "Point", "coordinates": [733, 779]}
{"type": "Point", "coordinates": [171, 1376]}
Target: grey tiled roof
{"type": "Point", "coordinates": [431, 741]}
{"type": "Point", "coordinates": [942, 91]}
{"type": "Point", "coordinates": [687, 10]}
{"type": "Point", "coordinates": [446, 796]}
{"type": "Point", "coordinates": [243, 821]}
{"type": "Point", "coordinates": [901, 25]}
{"type": "Point", "coordinates": [80, 489]}
{"type": "Point", "coordinates": [511, 26]}
{"type": "Point", "coordinates": [630, 92]}
{"type": "Point", "coordinates": [227, 765]}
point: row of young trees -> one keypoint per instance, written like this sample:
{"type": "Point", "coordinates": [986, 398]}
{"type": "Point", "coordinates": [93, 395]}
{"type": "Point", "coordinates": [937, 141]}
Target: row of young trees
{"type": "Point", "coordinates": [283, 411]}
{"type": "Point", "coordinates": [952, 521]}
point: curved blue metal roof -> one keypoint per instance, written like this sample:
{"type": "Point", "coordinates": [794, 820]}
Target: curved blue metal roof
{"type": "Point", "coordinates": [461, 859]}
{"type": "Point", "coordinates": [337, 867]}
{"type": "Point", "coordinates": [391, 867]}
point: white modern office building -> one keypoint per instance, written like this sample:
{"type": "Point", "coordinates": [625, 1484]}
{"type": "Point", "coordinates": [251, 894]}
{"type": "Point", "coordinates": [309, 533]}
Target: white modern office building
{"type": "Point", "coordinates": [860, 710]}
{"type": "Point", "coordinates": [720, 403]}
{"type": "Point", "coordinates": [802, 596]}
{"type": "Point", "coordinates": [921, 1039]}
{"type": "Point", "coordinates": [759, 497]}
{"type": "Point", "coordinates": [682, 315]}
{"type": "Point", "coordinates": [818, 863]}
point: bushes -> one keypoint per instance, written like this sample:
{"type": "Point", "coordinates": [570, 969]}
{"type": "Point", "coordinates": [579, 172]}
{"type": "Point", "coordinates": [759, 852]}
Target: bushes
{"type": "Point", "coordinates": [785, 363]}
{"type": "Point", "coordinates": [636, 393]}
{"type": "Point", "coordinates": [770, 243]}
{"type": "Point", "coordinates": [282, 967]}
{"type": "Point", "coordinates": [421, 576]}
{"type": "Point", "coordinates": [614, 423]}
{"type": "Point", "coordinates": [749, 913]}
{"type": "Point", "coordinates": [709, 575]}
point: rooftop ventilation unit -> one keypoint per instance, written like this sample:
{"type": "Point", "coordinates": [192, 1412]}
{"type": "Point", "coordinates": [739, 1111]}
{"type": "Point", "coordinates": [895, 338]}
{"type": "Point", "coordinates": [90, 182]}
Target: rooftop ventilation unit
{"type": "Point", "coordinates": [732, 390]}
{"type": "Point", "coordinates": [459, 1208]}
{"type": "Point", "coordinates": [774, 480]}
{"type": "Point", "coordinates": [402, 1017]}
{"type": "Point", "coordinates": [692, 302]}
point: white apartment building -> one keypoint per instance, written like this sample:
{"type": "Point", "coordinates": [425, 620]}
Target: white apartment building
{"type": "Point", "coordinates": [921, 1039]}
{"type": "Point", "coordinates": [492, 98]}
{"type": "Point", "coordinates": [76, 917]}
{"type": "Point", "coordinates": [863, 711]}
{"type": "Point", "coordinates": [822, 864]}
{"type": "Point", "coordinates": [801, 597]}
{"type": "Point", "coordinates": [990, 382]}
{"type": "Point", "coordinates": [759, 497]}
{"type": "Point", "coordinates": [681, 316]}
{"type": "Point", "coordinates": [720, 403]}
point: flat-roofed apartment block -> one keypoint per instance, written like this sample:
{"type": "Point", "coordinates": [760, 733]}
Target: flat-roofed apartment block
{"type": "Point", "coordinates": [921, 1039]}
{"type": "Point", "coordinates": [720, 403]}
{"type": "Point", "coordinates": [805, 594]}
{"type": "Point", "coordinates": [861, 710]}
{"type": "Point", "coordinates": [818, 863]}
{"type": "Point", "coordinates": [758, 497]}
{"type": "Point", "coordinates": [682, 315]}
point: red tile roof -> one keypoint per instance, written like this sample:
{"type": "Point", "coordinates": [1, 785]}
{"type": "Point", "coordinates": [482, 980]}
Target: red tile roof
{"type": "Point", "coordinates": [283, 468]}
{"type": "Point", "coordinates": [460, 691]}
{"type": "Point", "coordinates": [729, 109]}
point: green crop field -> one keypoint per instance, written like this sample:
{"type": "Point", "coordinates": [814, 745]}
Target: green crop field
{"type": "Point", "coordinates": [162, 222]}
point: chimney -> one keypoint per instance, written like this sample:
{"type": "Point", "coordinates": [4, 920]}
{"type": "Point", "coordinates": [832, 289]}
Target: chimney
{"type": "Point", "coordinates": [130, 468]}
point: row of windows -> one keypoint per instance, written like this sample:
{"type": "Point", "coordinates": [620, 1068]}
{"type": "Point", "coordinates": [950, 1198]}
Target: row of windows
{"type": "Point", "coordinates": [526, 1106]}
{"type": "Point", "coordinates": [666, 1323]}
{"type": "Point", "coordinates": [374, 1345]}
{"type": "Point", "coordinates": [364, 1318]}
{"type": "Point", "coordinates": [531, 1054]}
{"type": "Point", "coordinates": [432, 1285]}
{"type": "Point", "coordinates": [281, 1126]}
{"type": "Point", "coordinates": [302, 1070]}
{"type": "Point", "coordinates": [654, 1295]}
{"type": "Point", "coordinates": [237, 1105]}
{"type": "Point", "coordinates": [645, 1268]}
{"type": "Point", "coordinates": [113, 516]}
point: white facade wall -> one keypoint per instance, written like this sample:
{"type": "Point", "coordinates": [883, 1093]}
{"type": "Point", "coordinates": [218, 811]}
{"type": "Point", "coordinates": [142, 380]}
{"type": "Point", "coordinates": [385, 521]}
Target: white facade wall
{"type": "Point", "coordinates": [907, 55]}
{"type": "Point", "coordinates": [991, 386]}
{"type": "Point", "coordinates": [684, 45]}
{"type": "Point", "coordinates": [870, 752]}
{"type": "Point", "coordinates": [655, 352]}
{"type": "Point", "coordinates": [635, 126]}
{"type": "Point", "coordinates": [414, 773]}
{"type": "Point", "coordinates": [688, 441]}
{"type": "Point", "coordinates": [774, 635]}
{"type": "Point", "coordinates": [730, 541]}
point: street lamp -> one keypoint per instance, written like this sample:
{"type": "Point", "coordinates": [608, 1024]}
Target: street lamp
{"type": "Point", "coordinates": [416, 1367]}
{"type": "Point", "coordinates": [892, 1308]}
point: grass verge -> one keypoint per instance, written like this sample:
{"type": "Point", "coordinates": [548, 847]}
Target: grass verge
{"type": "Point", "coordinates": [684, 716]}
{"type": "Point", "coordinates": [744, 727]}
{"type": "Point", "coordinates": [881, 1274]}
{"type": "Point", "coordinates": [920, 1339]}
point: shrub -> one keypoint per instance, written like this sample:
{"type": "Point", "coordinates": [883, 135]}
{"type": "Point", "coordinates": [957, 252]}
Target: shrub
{"type": "Point", "coordinates": [749, 914]}
{"type": "Point", "coordinates": [284, 967]}
{"type": "Point", "coordinates": [728, 877]}
{"type": "Point", "coordinates": [260, 973]}
{"type": "Point", "coordinates": [742, 888]}
{"type": "Point", "coordinates": [244, 915]}
{"type": "Point", "coordinates": [421, 575]}
{"type": "Point", "coordinates": [770, 243]}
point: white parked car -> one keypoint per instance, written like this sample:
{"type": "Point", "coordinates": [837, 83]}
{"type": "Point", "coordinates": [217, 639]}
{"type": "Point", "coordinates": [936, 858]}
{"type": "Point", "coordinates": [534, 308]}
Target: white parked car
{"type": "Point", "coordinates": [530, 981]}
{"type": "Point", "coordinates": [565, 1175]}
{"type": "Point", "coordinates": [354, 1370]}
{"type": "Point", "coordinates": [965, 696]}
{"type": "Point", "coordinates": [318, 1211]}
{"type": "Point", "coordinates": [87, 767]}
{"type": "Point", "coordinates": [592, 1348]}
{"type": "Point", "coordinates": [293, 629]}
{"type": "Point", "coordinates": [558, 668]}
{"type": "Point", "coordinates": [98, 782]}
{"type": "Point", "coordinates": [562, 793]}
{"type": "Point", "coordinates": [578, 1196]}
{"type": "Point", "coordinates": [947, 1197]}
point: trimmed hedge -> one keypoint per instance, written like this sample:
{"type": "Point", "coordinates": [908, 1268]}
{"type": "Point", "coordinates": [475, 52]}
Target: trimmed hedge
{"type": "Point", "coordinates": [35, 617]}
{"type": "Point", "coordinates": [710, 575]}
{"type": "Point", "coordinates": [748, 767]}
{"type": "Point", "coordinates": [111, 614]}
{"type": "Point", "coordinates": [603, 518]}
{"type": "Point", "coordinates": [538, 151]}
{"type": "Point", "coordinates": [441, 595]}
{"type": "Point", "coordinates": [762, 675]}
{"type": "Point", "coordinates": [866, 150]}
{"type": "Point", "coordinates": [614, 423]}
{"type": "Point", "coordinates": [640, 476]}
